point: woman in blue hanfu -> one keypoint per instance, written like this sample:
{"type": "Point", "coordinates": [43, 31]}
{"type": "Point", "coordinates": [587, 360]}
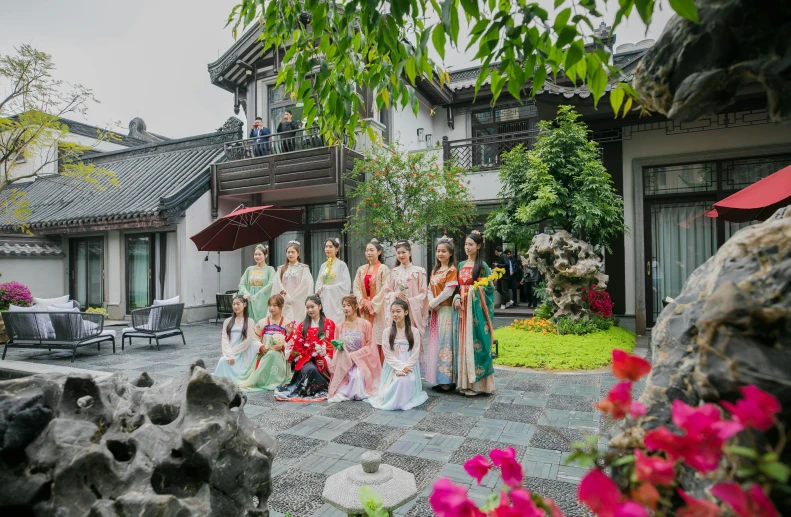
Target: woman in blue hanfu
{"type": "Point", "coordinates": [239, 343]}
{"type": "Point", "coordinates": [400, 386]}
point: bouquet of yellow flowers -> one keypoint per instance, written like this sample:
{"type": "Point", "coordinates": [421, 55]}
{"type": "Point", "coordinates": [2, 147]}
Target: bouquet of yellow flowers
{"type": "Point", "coordinates": [329, 275]}
{"type": "Point", "coordinates": [497, 274]}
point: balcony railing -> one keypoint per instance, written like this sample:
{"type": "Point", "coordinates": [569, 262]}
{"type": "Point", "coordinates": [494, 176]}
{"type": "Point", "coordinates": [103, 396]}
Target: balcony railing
{"type": "Point", "coordinates": [484, 152]}
{"type": "Point", "coordinates": [279, 143]}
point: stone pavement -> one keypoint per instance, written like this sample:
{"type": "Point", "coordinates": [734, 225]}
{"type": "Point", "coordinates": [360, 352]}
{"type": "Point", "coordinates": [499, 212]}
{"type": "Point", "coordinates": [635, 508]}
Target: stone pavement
{"type": "Point", "coordinates": [538, 414]}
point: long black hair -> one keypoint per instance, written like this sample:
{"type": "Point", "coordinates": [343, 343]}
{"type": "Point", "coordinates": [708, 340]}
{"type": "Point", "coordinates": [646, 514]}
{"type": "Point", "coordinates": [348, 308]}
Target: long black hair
{"type": "Point", "coordinates": [476, 268]}
{"type": "Point", "coordinates": [336, 243]}
{"type": "Point", "coordinates": [407, 326]}
{"type": "Point", "coordinates": [406, 246]}
{"type": "Point", "coordinates": [448, 243]}
{"type": "Point", "coordinates": [296, 246]}
{"type": "Point", "coordinates": [246, 317]}
{"type": "Point", "coordinates": [379, 248]}
{"type": "Point", "coordinates": [306, 324]}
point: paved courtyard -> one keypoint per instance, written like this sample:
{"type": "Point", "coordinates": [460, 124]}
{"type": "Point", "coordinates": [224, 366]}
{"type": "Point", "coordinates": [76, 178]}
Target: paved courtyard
{"type": "Point", "coordinates": [538, 414]}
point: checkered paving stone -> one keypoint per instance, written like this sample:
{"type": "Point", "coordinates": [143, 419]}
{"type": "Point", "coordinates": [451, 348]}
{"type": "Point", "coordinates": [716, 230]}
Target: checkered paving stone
{"type": "Point", "coordinates": [555, 438]}
{"type": "Point", "coordinates": [571, 403]}
{"type": "Point", "coordinates": [447, 423]}
{"type": "Point", "coordinates": [473, 447]}
{"type": "Point", "coordinates": [279, 420]}
{"type": "Point", "coordinates": [433, 440]}
{"type": "Point", "coordinates": [297, 492]}
{"type": "Point", "coordinates": [370, 436]}
{"type": "Point", "coordinates": [513, 413]}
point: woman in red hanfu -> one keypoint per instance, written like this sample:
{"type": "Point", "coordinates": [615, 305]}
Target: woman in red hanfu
{"type": "Point", "coordinates": [311, 351]}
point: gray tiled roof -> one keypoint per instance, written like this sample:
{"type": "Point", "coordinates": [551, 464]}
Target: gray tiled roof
{"type": "Point", "coordinates": [79, 128]}
{"type": "Point", "coordinates": [160, 179]}
{"type": "Point", "coordinates": [17, 246]}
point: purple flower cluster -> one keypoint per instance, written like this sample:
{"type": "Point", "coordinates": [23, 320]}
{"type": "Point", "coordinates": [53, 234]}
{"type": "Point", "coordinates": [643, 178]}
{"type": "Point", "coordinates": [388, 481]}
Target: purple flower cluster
{"type": "Point", "coordinates": [14, 293]}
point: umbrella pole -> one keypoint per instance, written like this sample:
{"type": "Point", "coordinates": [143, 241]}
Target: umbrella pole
{"type": "Point", "coordinates": [218, 271]}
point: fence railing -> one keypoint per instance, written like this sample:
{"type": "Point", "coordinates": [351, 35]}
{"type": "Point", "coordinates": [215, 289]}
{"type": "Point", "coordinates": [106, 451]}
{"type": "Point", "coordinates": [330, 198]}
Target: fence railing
{"type": "Point", "coordinates": [484, 152]}
{"type": "Point", "coordinates": [279, 143]}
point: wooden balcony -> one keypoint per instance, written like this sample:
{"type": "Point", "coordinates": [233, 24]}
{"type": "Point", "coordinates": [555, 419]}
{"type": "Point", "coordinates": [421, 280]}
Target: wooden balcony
{"type": "Point", "coordinates": [484, 152]}
{"type": "Point", "coordinates": [289, 168]}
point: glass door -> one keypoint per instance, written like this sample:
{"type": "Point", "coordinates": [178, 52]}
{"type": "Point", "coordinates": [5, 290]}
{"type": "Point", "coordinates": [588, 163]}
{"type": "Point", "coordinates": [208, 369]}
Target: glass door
{"type": "Point", "coordinates": [139, 271]}
{"type": "Point", "coordinates": [86, 266]}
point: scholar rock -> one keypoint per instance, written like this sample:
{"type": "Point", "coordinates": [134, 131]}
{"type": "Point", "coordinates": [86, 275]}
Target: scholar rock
{"type": "Point", "coordinates": [72, 445]}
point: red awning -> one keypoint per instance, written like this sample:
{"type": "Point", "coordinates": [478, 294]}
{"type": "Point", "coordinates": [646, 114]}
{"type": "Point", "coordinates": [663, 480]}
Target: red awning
{"type": "Point", "coordinates": [247, 226]}
{"type": "Point", "coordinates": [758, 201]}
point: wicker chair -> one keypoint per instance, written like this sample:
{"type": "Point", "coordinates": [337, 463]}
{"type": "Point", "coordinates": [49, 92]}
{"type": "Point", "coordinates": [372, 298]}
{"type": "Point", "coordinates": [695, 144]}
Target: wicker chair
{"type": "Point", "coordinates": [55, 330]}
{"type": "Point", "coordinates": [155, 323]}
{"type": "Point", "coordinates": [224, 306]}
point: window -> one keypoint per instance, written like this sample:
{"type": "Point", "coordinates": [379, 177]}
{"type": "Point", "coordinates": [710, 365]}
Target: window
{"type": "Point", "coordinates": [279, 102]}
{"type": "Point", "coordinates": [500, 130]}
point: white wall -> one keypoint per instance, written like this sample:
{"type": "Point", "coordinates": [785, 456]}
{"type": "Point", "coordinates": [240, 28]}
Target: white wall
{"type": "Point", "coordinates": [198, 278]}
{"type": "Point", "coordinates": [406, 123]}
{"type": "Point", "coordinates": [670, 148]}
{"type": "Point", "coordinates": [44, 276]}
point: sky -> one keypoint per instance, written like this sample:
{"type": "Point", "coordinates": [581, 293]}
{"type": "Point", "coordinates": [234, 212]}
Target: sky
{"type": "Point", "coordinates": [148, 58]}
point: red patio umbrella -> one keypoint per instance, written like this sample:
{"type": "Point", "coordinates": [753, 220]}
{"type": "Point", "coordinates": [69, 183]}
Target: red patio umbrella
{"type": "Point", "coordinates": [246, 226]}
{"type": "Point", "coordinates": [756, 202]}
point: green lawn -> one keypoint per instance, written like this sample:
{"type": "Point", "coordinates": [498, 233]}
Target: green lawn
{"type": "Point", "coordinates": [554, 352]}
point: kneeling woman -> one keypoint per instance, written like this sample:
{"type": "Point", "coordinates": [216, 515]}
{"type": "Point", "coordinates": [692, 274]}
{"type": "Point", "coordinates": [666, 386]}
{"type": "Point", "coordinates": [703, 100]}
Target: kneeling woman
{"type": "Point", "coordinates": [311, 351]}
{"type": "Point", "coordinates": [239, 342]}
{"type": "Point", "coordinates": [355, 367]}
{"type": "Point", "coordinates": [400, 386]}
{"type": "Point", "coordinates": [270, 369]}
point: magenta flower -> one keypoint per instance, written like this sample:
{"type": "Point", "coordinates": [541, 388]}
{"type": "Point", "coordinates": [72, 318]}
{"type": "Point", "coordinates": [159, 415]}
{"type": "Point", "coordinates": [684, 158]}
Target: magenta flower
{"type": "Point", "coordinates": [602, 496]}
{"type": "Point", "coordinates": [449, 500]}
{"type": "Point", "coordinates": [758, 409]}
{"type": "Point", "coordinates": [653, 469]}
{"type": "Point", "coordinates": [510, 469]}
{"type": "Point", "coordinates": [618, 400]}
{"type": "Point", "coordinates": [628, 367]}
{"type": "Point", "coordinates": [697, 507]}
{"type": "Point", "coordinates": [752, 503]}
{"type": "Point", "coordinates": [637, 409]}
{"type": "Point", "coordinates": [477, 467]}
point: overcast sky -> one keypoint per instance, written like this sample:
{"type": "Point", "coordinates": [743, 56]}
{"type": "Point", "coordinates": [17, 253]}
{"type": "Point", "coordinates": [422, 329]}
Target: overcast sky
{"type": "Point", "coordinates": [147, 58]}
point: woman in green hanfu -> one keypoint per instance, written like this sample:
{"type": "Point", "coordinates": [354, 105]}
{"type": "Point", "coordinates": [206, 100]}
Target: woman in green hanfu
{"type": "Point", "coordinates": [473, 320]}
{"type": "Point", "coordinates": [270, 368]}
{"type": "Point", "coordinates": [256, 284]}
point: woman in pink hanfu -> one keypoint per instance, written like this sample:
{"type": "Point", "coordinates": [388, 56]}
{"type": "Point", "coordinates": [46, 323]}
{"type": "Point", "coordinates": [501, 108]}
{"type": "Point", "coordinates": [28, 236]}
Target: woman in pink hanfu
{"type": "Point", "coordinates": [407, 282]}
{"type": "Point", "coordinates": [356, 367]}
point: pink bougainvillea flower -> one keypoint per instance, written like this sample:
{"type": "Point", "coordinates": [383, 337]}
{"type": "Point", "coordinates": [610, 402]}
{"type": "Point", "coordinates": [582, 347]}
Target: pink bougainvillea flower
{"type": "Point", "coordinates": [523, 503]}
{"type": "Point", "coordinates": [758, 409]}
{"type": "Point", "coordinates": [653, 469]}
{"type": "Point", "coordinates": [628, 367]}
{"type": "Point", "coordinates": [637, 409]}
{"type": "Point", "coordinates": [697, 507]}
{"type": "Point", "coordinates": [602, 496]}
{"type": "Point", "coordinates": [618, 400]}
{"type": "Point", "coordinates": [510, 469]}
{"type": "Point", "coordinates": [647, 495]}
{"type": "Point", "coordinates": [661, 439]}
{"type": "Point", "coordinates": [449, 500]}
{"type": "Point", "coordinates": [752, 503]}
{"type": "Point", "coordinates": [477, 467]}
{"type": "Point", "coordinates": [554, 511]}
{"type": "Point", "coordinates": [630, 509]}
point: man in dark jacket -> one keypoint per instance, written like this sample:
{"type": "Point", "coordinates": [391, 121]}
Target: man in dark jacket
{"type": "Point", "coordinates": [262, 135]}
{"type": "Point", "coordinates": [287, 124]}
{"type": "Point", "coordinates": [514, 272]}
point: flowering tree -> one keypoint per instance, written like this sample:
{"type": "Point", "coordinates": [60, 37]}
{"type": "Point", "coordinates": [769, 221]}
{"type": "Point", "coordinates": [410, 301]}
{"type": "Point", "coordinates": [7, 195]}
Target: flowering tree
{"type": "Point", "coordinates": [405, 196]}
{"type": "Point", "coordinates": [647, 478]}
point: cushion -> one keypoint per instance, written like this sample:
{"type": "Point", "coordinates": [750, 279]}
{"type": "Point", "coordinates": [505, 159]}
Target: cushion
{"type": "Point", "coordinates": [19, 308]}
{"type": "Point", "coordinates": [61, 307]}
{"type": "Point", "coordinates": [46, 302]}
{"type": "Point", "coordinates": [169, 301]}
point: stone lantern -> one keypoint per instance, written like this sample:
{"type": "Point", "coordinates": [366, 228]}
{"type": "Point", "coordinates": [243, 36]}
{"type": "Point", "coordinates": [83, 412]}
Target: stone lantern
{"type": "Point", "coordinates": [395, 486]}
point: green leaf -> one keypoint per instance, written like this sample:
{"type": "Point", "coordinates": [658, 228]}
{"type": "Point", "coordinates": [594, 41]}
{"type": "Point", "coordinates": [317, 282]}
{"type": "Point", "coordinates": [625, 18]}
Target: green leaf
{"type": "Point", "coordinates": [497, 83]}
{"type": "Point", "coordinates": [597, 84]}
{"type": "Point", "coordinates": [370, 499]}
{"type": "Point", "coordinates": [574, 54]}
{"type": "Point", "coordinates": [616, 100]}
{"type": "Point", "coordinates": [438, 38]}
{"type": "Point", "coordinates": [623, 460]}
{"type": "Point", "coordinates": [645, 8]}
{"type": "Point", "coordinates": [411, 71]}
{"type": "Point", "coordinates": [747, 452]}
{"type": "Point", "coordinates": [566, 36]}
{"type": "Point", "coordinates": [685, 9]}
{"type": "Point", "coordinates": [471, 8]}
{"type": "Point", "coordinates": [558, 3]}
{"type": "Point", "coordinates": [539, 78]}
{"type": "Point", "coordinates": [776, 471]}
{"type": "Point", "coordinates": [561, 20]}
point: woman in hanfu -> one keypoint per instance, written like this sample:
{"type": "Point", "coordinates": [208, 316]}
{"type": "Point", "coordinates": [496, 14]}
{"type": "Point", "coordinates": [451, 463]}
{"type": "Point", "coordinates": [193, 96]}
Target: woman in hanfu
{"type": "Point", "coordinates": [311, 352]}
{"type": "Point", "coordinates": [256, 283]}
{"type": "Point", "coordinates": [407, 282]}
{"type": "Point", "coordinates": [369, 284]}
{"type": "Point", "coordinates": [400, 387]}
{"type": "Point", "coordinates": [294, 282]}
{"type": "Point", "coordinates": [473, 322]}
{"type": "Point", "coordinates": [355, 363]}
{"type": "Point", "coordinates": [270, 369]}
{"type": "Point", "coordinates": [333, 282]}
{"type": "Point", "coordinates": [437, 360]}
{"type": "Point", "coordinates": [239, 342]}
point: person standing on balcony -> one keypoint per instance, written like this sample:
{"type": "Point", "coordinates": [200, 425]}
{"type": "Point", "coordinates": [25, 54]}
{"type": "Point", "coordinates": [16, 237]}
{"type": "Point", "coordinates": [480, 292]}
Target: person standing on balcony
{"type": "Point", "coordinates": [287, 124]}
{"type": "Point", "coordinates": [262, 135]}
{"type": "Point", "coordinates": [294, 282]}
{"type": "Point", "coordinates": [369, 284]}
{"type": "Point", "coordinates": [334, 281]}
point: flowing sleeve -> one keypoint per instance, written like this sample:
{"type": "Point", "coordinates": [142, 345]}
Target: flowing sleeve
{"type": "Point", "coordinates": [458, 282]}
{"type": "Point", "coordinates": [243, 283]}
{"type": "Point", "coordinates": [358, 286]}
{"type": "Point", "coordinates": [488, 291]}
{"type": "Point", "coordinates": [390, 357]}
{"type": "Point", "coordinates": [390, 291]}
{"type": "Point", "coordinates": [329, 335]}
{"type": "Point", "coordinates": [266, 289]}
{"type": "Point", "coordinates": [421, 298]}
{"type": "Point", "coordinates": [277, 285]}
{"type": "Point", "coordinates": [319, 282]}
{"type": "Point", "coordinates": [451, 283]}
{"type": "Point", "coordinates": [366, 332]}
{"type": "Point", "coordinates": [249, 341]}
{"type": "Point", "coordinates": [226, 343]}
{"type": "Point", "coordinates": [297, 343]}
{"type": "Point", "coordinates": [414, 355]}
{"type": "Point", "coordinates": [344, 279]}
{"type": "Point", "coordinates": [378, 300]}
{"type": "Point", "coordinates": [342, 286]}
{"type": "Point", "coordinates": [305, 287]}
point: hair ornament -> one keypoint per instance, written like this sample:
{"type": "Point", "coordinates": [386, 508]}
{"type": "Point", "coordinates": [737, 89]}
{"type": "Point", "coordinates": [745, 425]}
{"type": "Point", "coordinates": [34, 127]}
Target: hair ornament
{"type": "Point", "coordinates": [262, 247]}
{"type": "Point", "coordinates": [476, 232]}
{"type": "Point", "coordinates": [445, 240]}
{"type": "Point", "coordinates": [293, 243]}
{"type": "Point", "coordinates": [336, 241]}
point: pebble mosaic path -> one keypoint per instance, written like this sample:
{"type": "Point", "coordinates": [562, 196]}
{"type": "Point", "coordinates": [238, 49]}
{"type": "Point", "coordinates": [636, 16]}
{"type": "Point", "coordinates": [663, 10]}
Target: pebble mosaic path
{"type": "Point", "coordinates": [538, 414]}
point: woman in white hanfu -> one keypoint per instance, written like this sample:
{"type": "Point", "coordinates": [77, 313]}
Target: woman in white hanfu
{"type": "Point", "coordinates": [407, 282]}
{"type": "Point", "coordinates": [333, 282]}
{"type": "Point", "coordinates": [294, 282]}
